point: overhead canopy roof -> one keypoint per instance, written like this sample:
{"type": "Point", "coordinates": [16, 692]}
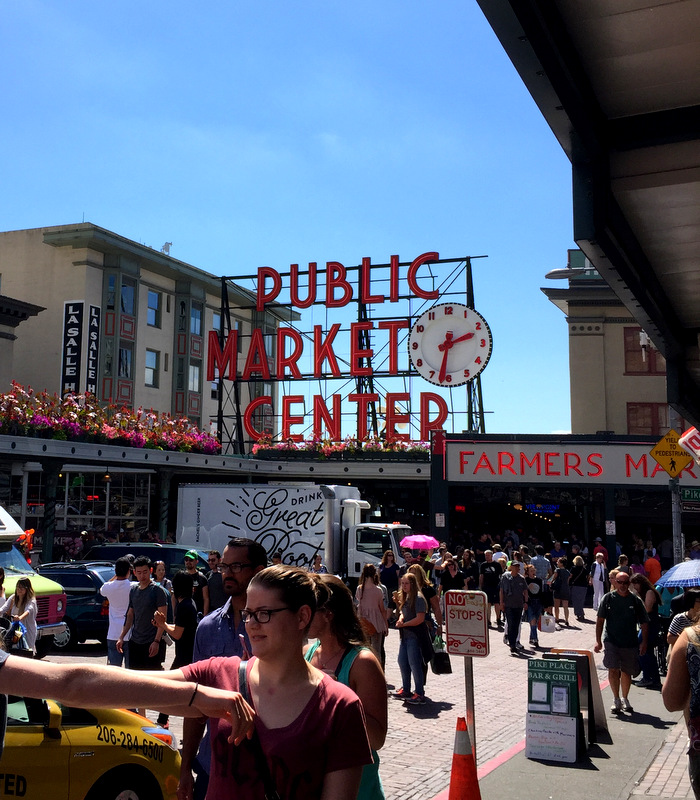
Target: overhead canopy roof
{"type": "Point", "coordinates": [618, 81]}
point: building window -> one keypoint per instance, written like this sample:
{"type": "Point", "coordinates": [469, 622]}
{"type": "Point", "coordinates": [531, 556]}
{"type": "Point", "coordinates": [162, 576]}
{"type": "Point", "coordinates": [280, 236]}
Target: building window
{"type": "Point", "coordinates": [182, 316]}
{"type": "Point", "coordinates": [216, 321]}
{"type": "Point", "coordinates": [215, 385]}
{"type": "Point", "coordinates": [128, 296]}
{"type": "Point", "coordinates": [180, 375]}
{"type": "Point", "coordinates": [109, 355]}
{"type": "Point", "coordinates": [639, 360]}
{"type": "Point", "coordinates": [152, 367]}
{"type": "Point", "coordinates": [647, 419]}
{"type": "Point", "coordinates": [111, 284]}
{"type": "Point", "coordinates": [154, 304]}
{"type": "Point", "coordinates": [125, 361]}
{"type": "Point", "coordinates": [196, 319]}
{"type": "Point", "coordinates": [193, 380]}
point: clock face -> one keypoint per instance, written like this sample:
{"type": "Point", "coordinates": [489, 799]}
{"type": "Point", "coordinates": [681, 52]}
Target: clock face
{"type": "Point", "coordinates": [450, 344]}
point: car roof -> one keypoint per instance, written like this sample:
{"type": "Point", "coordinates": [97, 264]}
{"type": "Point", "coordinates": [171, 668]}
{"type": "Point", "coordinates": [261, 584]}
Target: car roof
{"type": "Point", "coordinates": [105, 569]}
{"type": "Point", "coordinates": [74, 564]}
{"type": "Point", "coordinates": [154, 547]}
{"type": "Point", "coordinates": [127, 545]}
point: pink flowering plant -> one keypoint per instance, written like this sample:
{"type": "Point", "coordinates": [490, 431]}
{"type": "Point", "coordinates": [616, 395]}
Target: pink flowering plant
{"type": "Point", "coordinates": [24, 412]}
{"type": "Point", "coordinates": [349, 447]}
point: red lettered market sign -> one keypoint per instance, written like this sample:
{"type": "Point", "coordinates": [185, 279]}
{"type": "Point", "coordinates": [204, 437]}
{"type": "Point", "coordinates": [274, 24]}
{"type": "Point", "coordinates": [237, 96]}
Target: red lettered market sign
{"type": "Point", "coordinates": [278, 358]}
{"type": "Point", "coordinates": [560, 462]}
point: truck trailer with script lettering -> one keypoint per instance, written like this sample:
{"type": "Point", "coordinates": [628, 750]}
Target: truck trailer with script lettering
{"type": "Point", "coordinates": [298, 521]}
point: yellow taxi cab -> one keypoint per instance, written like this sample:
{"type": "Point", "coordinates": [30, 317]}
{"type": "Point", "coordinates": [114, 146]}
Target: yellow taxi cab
{"type": "Point", "coordinates": [56, 752]}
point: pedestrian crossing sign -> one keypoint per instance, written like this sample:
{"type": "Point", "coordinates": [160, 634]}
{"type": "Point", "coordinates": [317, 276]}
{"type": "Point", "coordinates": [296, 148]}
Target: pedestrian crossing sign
{"type": "Point", "coordinates": [670, 456]}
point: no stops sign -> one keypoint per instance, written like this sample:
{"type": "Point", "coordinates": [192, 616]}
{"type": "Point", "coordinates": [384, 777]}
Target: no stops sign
{"type": "Point", "coordinates": [466, 623]}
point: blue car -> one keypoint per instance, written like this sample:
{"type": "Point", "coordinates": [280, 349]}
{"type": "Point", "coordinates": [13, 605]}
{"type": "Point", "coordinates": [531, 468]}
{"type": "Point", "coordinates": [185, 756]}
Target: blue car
{"type": "Point", "coordinates": [87, 612]}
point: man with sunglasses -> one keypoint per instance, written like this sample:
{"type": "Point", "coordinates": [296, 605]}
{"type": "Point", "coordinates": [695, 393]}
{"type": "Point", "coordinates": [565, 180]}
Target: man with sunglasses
{"type": "Point", "coordinates": [200, 592]}
{"type": "Point", "coordinates": [221, 633]}
{"type": "Point", "coordinates": [215, 581]}
{"type": "Point", "coordinates": [619, 614]}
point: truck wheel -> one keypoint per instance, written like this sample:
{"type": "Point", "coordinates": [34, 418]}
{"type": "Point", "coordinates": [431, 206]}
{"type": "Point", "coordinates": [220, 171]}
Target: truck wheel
{"type": "Point", "coordinates": [126, 783]}
{"type": "Point", "coordinates": [68, 638]}
{"type": "Point", "coordinates": [43, 646]}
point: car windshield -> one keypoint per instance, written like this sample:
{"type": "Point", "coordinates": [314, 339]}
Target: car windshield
{"type": "Point", "coordinates": [104, 572]}
{"type": "Point", "coordinates": [12, 561]}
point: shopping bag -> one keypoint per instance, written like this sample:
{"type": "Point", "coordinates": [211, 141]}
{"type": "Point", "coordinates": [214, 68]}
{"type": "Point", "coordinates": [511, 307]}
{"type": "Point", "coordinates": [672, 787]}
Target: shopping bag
{"type": "Point", "coordinates": [440, 662]}
{"type": "Point", "coordinates": [547, 623]}
{"type": "Point", "coordinates": [19, 644]}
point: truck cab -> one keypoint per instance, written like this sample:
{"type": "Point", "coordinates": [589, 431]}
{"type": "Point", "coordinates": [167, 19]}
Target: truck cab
{"type": "Point", "coordinates": [49, 595]}
{"type": "Point", "coordinates": [368, 542]}
{"type": "Point", "coordinates": [350, 543]}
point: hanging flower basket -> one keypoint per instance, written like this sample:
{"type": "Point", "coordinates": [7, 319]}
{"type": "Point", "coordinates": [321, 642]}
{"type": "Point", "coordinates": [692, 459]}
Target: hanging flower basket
{"type": "Point", "coordinates": [347, 450]}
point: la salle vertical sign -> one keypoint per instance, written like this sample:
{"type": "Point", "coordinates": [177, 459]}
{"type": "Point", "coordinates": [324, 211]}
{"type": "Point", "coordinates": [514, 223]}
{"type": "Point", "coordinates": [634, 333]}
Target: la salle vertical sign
{"type": "Point", "coordinates": [73, 313]}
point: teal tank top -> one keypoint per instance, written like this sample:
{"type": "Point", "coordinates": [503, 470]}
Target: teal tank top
{"type": "Point", "coordinates": [371, 784]}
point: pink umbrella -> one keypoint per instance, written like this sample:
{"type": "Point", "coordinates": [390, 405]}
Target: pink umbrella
{"type": "Point", "coordinates": [419, 541]}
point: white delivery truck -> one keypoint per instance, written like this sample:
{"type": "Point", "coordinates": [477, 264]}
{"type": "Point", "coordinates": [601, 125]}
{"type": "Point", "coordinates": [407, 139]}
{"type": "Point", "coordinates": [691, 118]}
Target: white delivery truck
{"type": "Point", "coordinates": [298, 521]}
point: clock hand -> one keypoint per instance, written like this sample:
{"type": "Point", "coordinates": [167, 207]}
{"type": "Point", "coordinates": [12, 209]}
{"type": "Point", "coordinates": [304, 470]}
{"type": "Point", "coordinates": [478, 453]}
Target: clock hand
{"type": "Point", "coordinates": [446, 346]}
{"type": "Point", "coordinates": [443, 366]}
{"type": "Point", "coordinates": [463, 338]}
{"type": "Point", "coordinates": [447, 343]}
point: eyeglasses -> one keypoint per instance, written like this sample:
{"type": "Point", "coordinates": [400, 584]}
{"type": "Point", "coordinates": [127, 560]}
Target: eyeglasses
{"type": "Point", "coordinates": [622, 583]}
{"type": "Point", "coordinates": [234, 567]}
{"type": "Point", "coordinates": [263, 616]}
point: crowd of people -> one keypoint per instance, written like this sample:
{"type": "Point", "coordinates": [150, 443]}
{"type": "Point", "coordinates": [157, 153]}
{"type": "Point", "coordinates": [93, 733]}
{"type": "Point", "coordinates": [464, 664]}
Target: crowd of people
{"type": "Point", "coordinates": [305, 658]}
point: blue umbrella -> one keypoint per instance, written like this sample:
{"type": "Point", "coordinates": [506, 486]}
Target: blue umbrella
{"type": "Point", "coordinates": [685, 574]}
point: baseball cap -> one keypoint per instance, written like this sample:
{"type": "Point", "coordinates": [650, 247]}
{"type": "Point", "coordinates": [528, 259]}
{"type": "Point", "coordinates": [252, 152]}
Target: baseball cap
{"type": "Point", "coordinates": [193, 554]}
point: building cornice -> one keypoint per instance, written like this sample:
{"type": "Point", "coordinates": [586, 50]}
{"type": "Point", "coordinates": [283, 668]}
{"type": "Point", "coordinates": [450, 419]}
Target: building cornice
{"type": "Point", "coordinates": [13, 312]}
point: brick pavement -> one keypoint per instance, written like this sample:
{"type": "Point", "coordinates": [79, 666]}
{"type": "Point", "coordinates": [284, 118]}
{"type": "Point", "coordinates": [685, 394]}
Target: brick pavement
{"type": "Point", "coordinates": [421, 739]}
{"type": "Point", "coordinates": [667, 775]}
{"type": "Point", "coordinates": [425, 734]}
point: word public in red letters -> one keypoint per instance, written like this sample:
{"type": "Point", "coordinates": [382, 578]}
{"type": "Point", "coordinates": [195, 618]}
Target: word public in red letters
{"type": "Point", "coordinates": [339, 290]}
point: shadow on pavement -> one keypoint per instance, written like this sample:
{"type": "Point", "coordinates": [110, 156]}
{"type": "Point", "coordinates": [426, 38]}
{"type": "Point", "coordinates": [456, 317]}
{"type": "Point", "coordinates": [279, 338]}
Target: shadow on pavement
{"type": "Point", "coordinates": [586, 762]}
{"type": "Point", "coordinates": [646, 719]}
{"type": "Point", "coordinates": [431, 710]}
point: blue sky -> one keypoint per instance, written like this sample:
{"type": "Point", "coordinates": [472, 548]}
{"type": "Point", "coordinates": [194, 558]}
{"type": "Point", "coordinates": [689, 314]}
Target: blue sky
{"type": "Point", "coordinates": [250, 134]}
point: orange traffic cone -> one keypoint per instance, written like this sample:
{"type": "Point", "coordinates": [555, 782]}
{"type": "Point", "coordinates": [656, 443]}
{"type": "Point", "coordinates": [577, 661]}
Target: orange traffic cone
{"type": "Point", "coordinates": [464, 784]}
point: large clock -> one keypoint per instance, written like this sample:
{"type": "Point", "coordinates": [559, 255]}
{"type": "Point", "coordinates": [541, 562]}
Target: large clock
{"type": "Point", "coordinates": [450, 344]}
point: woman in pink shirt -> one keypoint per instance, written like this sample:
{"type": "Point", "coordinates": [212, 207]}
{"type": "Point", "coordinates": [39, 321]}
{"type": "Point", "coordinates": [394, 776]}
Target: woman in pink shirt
{"type": "Point", "coordinates": [310, 728]}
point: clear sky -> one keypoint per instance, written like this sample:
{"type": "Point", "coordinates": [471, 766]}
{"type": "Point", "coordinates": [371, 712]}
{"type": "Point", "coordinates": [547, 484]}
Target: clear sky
{"type": "Point", "coordinates": [252, 134]}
